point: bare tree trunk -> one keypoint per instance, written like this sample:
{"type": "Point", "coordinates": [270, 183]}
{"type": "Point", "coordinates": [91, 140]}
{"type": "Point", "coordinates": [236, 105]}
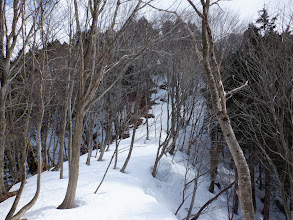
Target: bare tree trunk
{"type": "Point", "coordinates": [267, 198]}
{"type": "Point", "coordinates": [291, 190]}
{"type": "Point", "coordinates": [251, 168]}
{"type": "Point", "coordinates": [90, 137]}
{"type": "Point", "coordinates": [284, 197]}
{"type": "Point", "coordinates": [44, 140]}
{"type": "Point", "coordinates": [62, 140]}
{"type": "Point", "coordinates": [160, 153]}
{"type": "Point", "coordinates": [260, 170]}
{"type": "Point", "coordinates": [210, 201]}
{"type": "Point", "coordinates": [3, 91]}
{"type": "Point", "coordinates": [68, 201]}
{"type": "Point", "coordinates": [214, 153]}
{"type": "Point", "coordinates": [25, 137]}
{"type": "Point", "coordinates": [105, 173]}
{"type": "Point", "coordinates": [235, 196]}
{"type": "Point", "coordinates": [24, 209]}
{"type": "Point", "coordinates": [147, 118]}
{"type": "Point", "coordinates": [55, 150]}
{"type": "Point", "coordinates": [131, 145]}
{"type": "Point", "coordinates": [244, 180]}
{"type": "Point", "coordinates": [218, 99]}
{"type": "Point", "coordinates": [61, 154]}
{"type": "Point", "coordinates": [116, 153]}
{"type": "Point", "coordinates": [193, 195]}
{"type": "Point", "coordinates": [70, 123]}
{"type": "Point", "coordinates": [70, 91]}
{"type": "Point", "coordinates": [103, 146]}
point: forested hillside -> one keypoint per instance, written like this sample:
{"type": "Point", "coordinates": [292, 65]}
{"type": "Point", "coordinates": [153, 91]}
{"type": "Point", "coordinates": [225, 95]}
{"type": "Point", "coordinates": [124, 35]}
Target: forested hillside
{"type": "Point", "coordinates": [211, 96]}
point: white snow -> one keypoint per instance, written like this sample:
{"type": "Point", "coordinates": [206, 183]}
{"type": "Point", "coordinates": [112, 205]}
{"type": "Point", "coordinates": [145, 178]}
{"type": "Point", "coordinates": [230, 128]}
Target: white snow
{"type": "Point", "coordinates": [124, 196]}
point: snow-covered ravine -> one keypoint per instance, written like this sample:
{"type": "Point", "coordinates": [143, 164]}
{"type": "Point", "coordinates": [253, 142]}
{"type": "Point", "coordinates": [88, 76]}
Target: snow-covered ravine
{"type": "Point", "coordinates": [134, 194]}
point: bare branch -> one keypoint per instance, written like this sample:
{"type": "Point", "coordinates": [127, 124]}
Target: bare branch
{"type": "Point", "coordinates": [195, 9]}
{"type": "Point", "coordinates": [236, 89]}
{"type": "Point", "coordinates": [210, 201]}
{"type": "Point", "coordinates": [194, 41]}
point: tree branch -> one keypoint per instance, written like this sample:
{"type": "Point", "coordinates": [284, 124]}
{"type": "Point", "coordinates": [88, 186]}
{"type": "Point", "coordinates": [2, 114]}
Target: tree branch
{"type": "Point", "coordinates": [194, 41]}
{"type": "Point", "coordinates": [236, 89]}
{"type": "Point", "coordinates": [210, 201]}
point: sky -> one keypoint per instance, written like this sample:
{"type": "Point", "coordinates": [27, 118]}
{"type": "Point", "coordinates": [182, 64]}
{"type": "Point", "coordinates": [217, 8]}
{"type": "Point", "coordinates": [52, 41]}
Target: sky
{"type": "Point", "coordinates": [247, 9]}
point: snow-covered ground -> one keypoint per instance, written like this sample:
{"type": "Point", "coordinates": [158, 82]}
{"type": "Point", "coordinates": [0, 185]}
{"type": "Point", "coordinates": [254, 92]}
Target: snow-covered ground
{"type": "Point", "coordinates": [134, 194]}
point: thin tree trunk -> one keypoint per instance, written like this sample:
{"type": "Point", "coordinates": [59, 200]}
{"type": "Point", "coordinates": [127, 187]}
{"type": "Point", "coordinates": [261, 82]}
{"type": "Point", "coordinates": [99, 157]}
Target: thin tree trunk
{"type": "Point", "coordinates": [131, 146]}
{"type": "Point", "coordinates": [23, 164]}
{"type": "Point", "coordinates": [102, 150]}
{"type": "Point", "coordinates": [291, 188]}
{"type": "Point", "coordinates": [105, 173]}
{"type": "Point", "coordinates": [267, 198]}
{"type": "Point", "coordinates": [55, 150]}
{"type": "Point", "coordinates": [251, 168]}
{"type": "Point", "coordinates": [147, 118]}
{"type": "Point", "coordinates": [61, 154]}
{"type": "Point", "coordinates": [48, 149]}
{"type": "Point", "coordinates": [44, 140]}
{"type": "Point", "coordinates": [24, 209]}
{"type": "Point", "coordinates": [70, 123]}
{"type": "Point", "coordinates": [10, 152]}
{"type": "Point", "coordinates": [62, 140]}
{"type": "Point", "coordinates": [196, 216]}
{"type": "Point", "coordinates": [3, 91]}
{"type": "Point", "coordinates": [235, 196]}
{"type": "Point", "coordinates": [193, 196]}
{"type": "Point", "coordinates": [90, 138]}
{"type": "Point", "coordinates": [260, 170]}
{"type": "Point", "coordinates": [213, 160]}
{"type": "Point", "coordinates": [116, 153]}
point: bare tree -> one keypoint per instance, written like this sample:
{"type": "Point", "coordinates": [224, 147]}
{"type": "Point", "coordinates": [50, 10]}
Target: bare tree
{"type": "Point", "coordinates": [9, 34]}
{"type": "Point", "coordinates": [45, 9]}
{"type": "Point", "coordinates": [218, 100]}
{"type": "Point", "coordinates": [94, 64]}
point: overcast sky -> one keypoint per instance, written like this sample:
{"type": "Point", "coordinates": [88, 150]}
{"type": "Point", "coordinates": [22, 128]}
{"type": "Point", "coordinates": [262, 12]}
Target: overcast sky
{"type": "Point", "coordinates": [247, 9]}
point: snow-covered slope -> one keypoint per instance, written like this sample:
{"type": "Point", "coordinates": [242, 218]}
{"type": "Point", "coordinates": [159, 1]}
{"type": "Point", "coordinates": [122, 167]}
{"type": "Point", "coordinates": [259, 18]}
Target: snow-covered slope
{"type": "Point", "coordinates": [131, 195]}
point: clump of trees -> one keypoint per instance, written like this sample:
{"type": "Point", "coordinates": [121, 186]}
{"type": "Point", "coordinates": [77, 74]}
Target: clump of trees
{"type": "Point", "coordinates": [262, 111]}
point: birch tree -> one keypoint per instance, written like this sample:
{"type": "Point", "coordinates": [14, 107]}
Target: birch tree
{"type": "Point", "coordinates": [218, 95]}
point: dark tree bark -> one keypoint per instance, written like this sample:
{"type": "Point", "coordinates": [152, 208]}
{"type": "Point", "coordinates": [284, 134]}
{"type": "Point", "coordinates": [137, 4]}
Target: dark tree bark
{"type": "Point", "coordinates": [267, 198]}
{"type": "Point", "coordinates": [235, 196]}
{"type": "Point", "coordinates": [252, 174]}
